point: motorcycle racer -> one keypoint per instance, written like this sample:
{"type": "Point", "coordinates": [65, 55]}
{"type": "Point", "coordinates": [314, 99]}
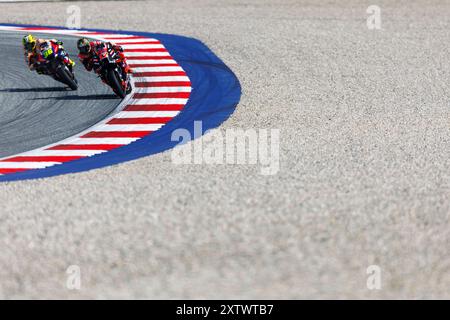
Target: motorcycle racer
{"type": "Point", "coordinates": [34, 49]}
{"type": "Point", "coordinates": [89, 59]}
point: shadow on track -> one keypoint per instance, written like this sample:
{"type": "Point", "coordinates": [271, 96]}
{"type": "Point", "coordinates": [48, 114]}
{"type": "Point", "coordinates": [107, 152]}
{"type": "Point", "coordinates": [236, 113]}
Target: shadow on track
{"type": "Point", "coordinates": [79, 97]}
{"type": "Point", "coordinates": [46, 89]}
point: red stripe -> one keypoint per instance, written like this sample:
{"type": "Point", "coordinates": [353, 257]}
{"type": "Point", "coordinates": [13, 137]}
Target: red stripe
{"type": "Point", "coordinates": [116, 134]}
{"type": "Point", "coordinates": [85, 147]}
{"type": "Point", "coordinates": [154, 107]}
{"type": "Point", "coordinates": [159, 74]}
{"type": "Point", "coordinates": [146, 50]}
{"type": "Point", "coordinates": [140, 120]}
{"type": "Point", "coordinates": [42, 159]}
{"type": "Point", "coordinates": [136, 65]}
{"type": "Point", "coordinates": [150, 58]}
{"type": "Point", "coordinates": [40, 28]}
{"type": "Point", "coordinates": [124, 43]}
{"type": "Point", "coordinates": [161, 95]}
{"type": "Point", "coordinates": [11, 170]}
{"type": "Point", "coordinates": [163, 84]}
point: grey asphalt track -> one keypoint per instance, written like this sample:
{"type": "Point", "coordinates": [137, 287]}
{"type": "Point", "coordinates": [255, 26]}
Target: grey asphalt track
{"type": "Point", "coordinates": [364, 166]}
{"type": "Point", "coordinates": [37, 110]}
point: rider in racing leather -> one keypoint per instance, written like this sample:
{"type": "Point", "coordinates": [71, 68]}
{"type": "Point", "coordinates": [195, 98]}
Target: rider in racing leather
{"type": "Point", "coordinates": [33, 49]}
{"type": "Point", "coordinates": [87, 55]}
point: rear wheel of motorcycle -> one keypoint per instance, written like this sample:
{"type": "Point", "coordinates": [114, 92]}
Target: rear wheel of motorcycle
{"type": "Point", "coordinates": [67, 78]}
{"type": "Point", "coordinates": [114, 82]}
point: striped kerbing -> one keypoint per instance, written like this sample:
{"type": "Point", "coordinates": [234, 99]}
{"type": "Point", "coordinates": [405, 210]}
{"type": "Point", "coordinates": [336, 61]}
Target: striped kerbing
{"type": "Point", "coordinates": [161, 90]}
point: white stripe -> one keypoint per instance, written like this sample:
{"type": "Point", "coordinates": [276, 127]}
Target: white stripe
{"type": "Point", "coordinates": [150, 61]}
{"type": "Point", "coordinates": [159, 101]}
{"type": "Point", "coordinates": [142, 46]}
{"type": "Point", "coordinates": [130, 127]}
{"type": "Point", "coordinates": [26, 165]}
{"type": "Point", "coordinates": [9, 28]}
{"type": "Point", "coordinates": [146, 114]}
{"type": "Point", "coordinates": [143, 69]}
{"type": "Point", "coordinates": [163, 89]}
{"type": "Point", "coordinates": [119, 141]}
{"type": "Point", "coordinates": [161, 79]}
{"type": "Point", "coordinates": [125, 41]}
{"type": "Point", "coordinates": [82, 153]}
{"type": "Point", "coordinates": [84, 32]}
{"type": "Point", "coordinates": [146, 54]}
{"type": "Point", "coordinates": [113, 35]}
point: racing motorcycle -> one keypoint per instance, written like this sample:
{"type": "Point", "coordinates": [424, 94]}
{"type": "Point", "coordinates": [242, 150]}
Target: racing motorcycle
{"type": "Point", "coordinates": [52, 62]}
{"type": "Point", "coordinates": [107, 66]}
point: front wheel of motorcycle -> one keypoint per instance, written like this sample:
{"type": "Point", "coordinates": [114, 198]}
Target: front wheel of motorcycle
{"type": "Point", "coordinates": [114, 82]}
{"type": "Point", "coordinates": [67, 78]}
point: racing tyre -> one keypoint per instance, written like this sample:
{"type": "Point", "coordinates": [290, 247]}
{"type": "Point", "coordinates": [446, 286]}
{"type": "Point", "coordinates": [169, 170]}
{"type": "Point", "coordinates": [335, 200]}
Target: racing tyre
{"type": "Point", "coordinates": [114, 82]}
{"type": "Point", "coordinates": [66, 78]}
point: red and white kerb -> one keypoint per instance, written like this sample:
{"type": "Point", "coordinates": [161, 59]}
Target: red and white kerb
{"type": "Point", "coordinates": [161, 90]}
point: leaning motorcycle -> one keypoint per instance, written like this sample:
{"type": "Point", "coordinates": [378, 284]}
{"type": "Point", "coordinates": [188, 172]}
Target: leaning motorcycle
{"type": "Point", "coordinates": [108, 68]}
{"type": "Point", "coordinates": [51, 62]}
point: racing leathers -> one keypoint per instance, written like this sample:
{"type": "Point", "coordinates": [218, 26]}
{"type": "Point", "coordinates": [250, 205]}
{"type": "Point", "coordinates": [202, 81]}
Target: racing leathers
{"type": "Point", "coordinates": [91, 61]}
{"type": "Point", "coordinates": [33, 57]}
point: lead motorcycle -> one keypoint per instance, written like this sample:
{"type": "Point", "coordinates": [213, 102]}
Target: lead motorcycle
{"type": "Point", "coordinates": [51, 62]}
{"type": "Point", "coordinates": [109, 69]}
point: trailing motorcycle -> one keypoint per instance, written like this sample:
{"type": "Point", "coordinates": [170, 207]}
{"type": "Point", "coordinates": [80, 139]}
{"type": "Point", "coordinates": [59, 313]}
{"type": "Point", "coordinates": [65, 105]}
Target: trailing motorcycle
{"type": "Point", "coordinates": [53, 62]}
